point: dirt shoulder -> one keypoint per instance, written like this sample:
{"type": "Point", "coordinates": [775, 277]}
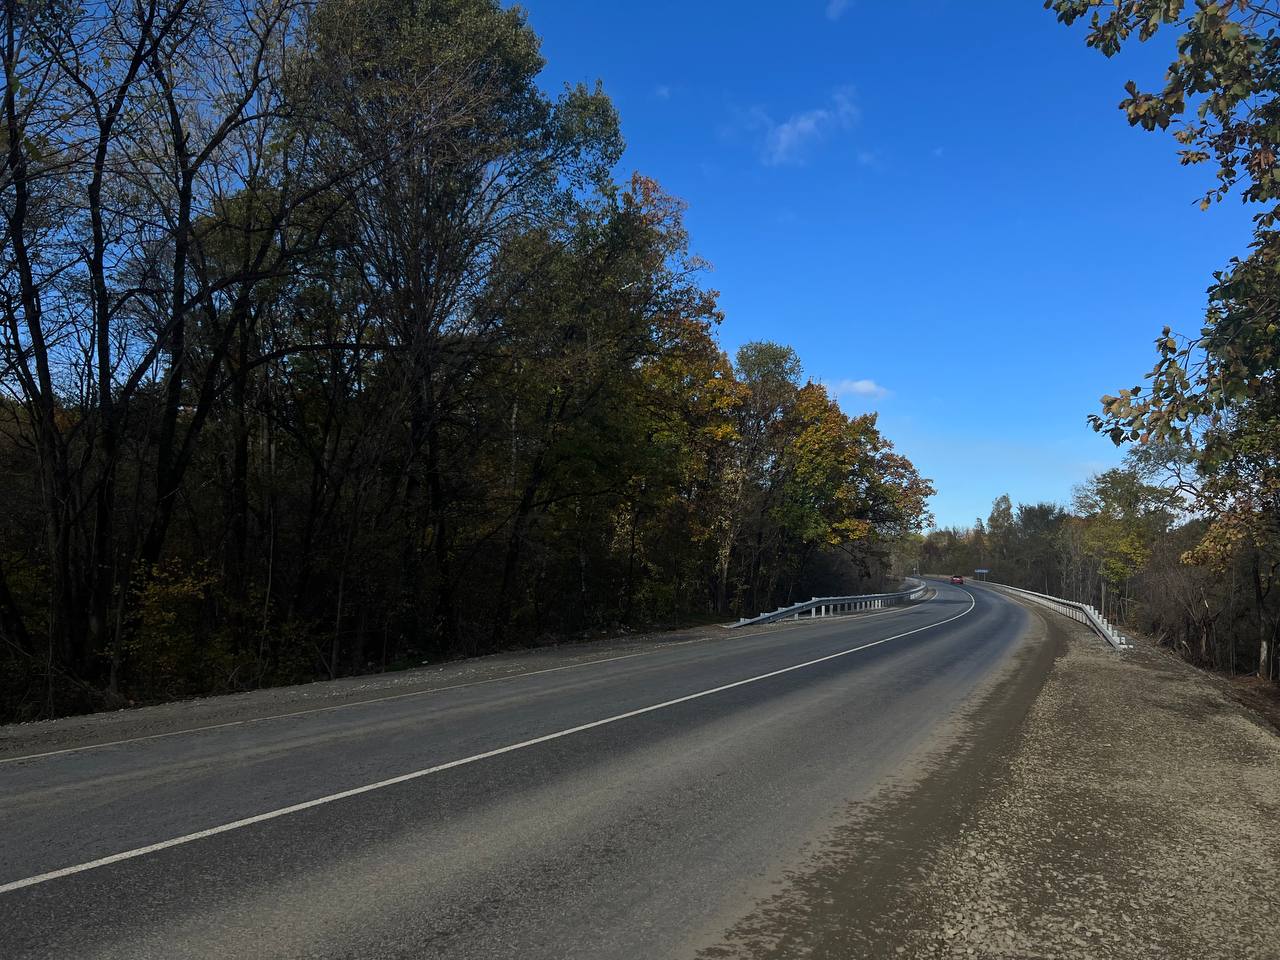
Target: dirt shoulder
{"type": "Point", "coordinates": [1129, 812]}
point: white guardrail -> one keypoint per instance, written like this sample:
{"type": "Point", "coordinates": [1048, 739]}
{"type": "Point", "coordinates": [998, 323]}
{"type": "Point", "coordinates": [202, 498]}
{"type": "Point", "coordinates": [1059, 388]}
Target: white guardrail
{"type": "Point", "coordinates": [1079, 612]}
{"type": "Point", "coordinates": [839, 606]}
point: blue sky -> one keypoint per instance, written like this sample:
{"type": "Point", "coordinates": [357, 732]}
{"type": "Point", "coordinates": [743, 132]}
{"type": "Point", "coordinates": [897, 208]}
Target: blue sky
{"type": "Point", "coordinates": [937, 204]}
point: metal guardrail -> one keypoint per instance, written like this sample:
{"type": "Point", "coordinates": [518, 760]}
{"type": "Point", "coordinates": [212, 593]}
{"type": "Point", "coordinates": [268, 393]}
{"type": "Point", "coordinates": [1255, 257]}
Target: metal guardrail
{"type": "Point", "coordinates": [1079, 612]}
{"type": "Point", "coordinates": [838, 606]}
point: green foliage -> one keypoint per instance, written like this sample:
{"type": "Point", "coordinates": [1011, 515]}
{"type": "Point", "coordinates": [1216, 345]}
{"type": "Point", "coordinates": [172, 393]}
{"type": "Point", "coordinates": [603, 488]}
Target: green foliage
{"type": "Point", "coordinates": [173, 650]}
{"type": "Point", "coordinates": [1122, 518]}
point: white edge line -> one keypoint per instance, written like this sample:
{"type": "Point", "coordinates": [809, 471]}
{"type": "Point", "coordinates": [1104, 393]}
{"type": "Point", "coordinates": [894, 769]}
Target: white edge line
{"type": "Point", "coordinates": [658, 648]}
{"type": "Point", "coordinates": [438, 768]}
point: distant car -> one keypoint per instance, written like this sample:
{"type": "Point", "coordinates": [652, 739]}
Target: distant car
{"type": "Point", "coordinates": [958, 580]}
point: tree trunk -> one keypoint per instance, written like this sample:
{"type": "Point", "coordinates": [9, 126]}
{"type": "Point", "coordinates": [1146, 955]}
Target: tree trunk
{"type": "Point", "coordinates": [446, 610]}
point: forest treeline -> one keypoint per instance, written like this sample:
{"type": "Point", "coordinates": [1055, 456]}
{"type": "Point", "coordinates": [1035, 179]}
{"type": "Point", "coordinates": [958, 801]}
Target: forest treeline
{"type": "Point", "coordinates": [330, 344]}
{"type": "Point", "coordinates": [1132, 545]}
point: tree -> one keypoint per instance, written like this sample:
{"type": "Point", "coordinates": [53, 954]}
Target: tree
{"type": "Point", "coordinates": [1037, 528]}
{"type": "Point", "coordinates": [769, 376]}
{"type": "Point", "coordinates": [461, 151]}
{"type": "Point", "coordinates": [1000, 531]}
{"type": "Point", "coordinates": [1240, 496]}
{"type": "Point", "coordinates": [1223, 94]}
{"type": "Point", "coordinates": [590, 312]}
{"type": "Point", "coordinates": [1121, 517]}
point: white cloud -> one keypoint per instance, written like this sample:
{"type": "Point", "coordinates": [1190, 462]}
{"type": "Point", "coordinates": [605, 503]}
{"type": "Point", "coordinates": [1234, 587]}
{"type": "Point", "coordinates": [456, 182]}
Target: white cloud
{"type": "Point", "coordinates": [662, 92]}
{"type": "Point", "coordinates": [836, 8]}
{"type": "Point", "coordinates": [785, 141]}
{"type": "Point", "coordinates": [858, 388]}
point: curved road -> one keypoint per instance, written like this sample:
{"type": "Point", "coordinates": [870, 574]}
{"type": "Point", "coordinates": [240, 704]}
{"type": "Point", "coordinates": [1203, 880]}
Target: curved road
{"type": "Point", "coordinates": [626, 808]}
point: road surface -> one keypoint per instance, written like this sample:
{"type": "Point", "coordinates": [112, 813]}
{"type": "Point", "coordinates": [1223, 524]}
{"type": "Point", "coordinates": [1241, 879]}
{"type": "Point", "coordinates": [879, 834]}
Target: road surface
{"type": "Point", "coordinates": [622, 808]}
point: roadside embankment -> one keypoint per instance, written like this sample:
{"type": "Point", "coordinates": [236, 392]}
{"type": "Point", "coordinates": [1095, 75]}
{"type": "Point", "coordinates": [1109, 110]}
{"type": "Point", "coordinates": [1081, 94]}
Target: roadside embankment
{"type": "Point", "coordinates": [1131, 813]}
{"type": "Point", "coordinates": [1135, 817]}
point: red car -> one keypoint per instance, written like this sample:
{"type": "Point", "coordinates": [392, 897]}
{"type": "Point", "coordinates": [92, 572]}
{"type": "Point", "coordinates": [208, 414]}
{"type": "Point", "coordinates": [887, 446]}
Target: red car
{"type": "Point", "coordinates": [958, 580]}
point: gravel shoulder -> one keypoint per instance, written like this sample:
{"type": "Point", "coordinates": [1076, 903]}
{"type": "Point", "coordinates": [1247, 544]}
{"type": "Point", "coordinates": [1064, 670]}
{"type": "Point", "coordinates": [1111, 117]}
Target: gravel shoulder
{"type": "Point", "coordinates": [1126, 809]}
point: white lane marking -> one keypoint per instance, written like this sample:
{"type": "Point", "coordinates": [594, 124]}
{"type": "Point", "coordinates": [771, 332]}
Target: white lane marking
{"type": "Point", "coordinates": [361, 703]}
{"type": "Point", "coordinates": [438, 768]}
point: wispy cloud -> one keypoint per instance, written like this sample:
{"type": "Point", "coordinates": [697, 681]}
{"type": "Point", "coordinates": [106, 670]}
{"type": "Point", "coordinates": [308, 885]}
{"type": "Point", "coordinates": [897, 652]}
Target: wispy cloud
{"type": "Point", "coordinates": [857, 388]}
{"type": "Point", "coordinates": [785, 142]}
{"type": "Point", "coordinates": [836, 8]}
{"type": "Point", "coordinates": [662, 92]}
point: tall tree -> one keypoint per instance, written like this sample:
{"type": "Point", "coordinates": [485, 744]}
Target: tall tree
{"type": "Point", "coordinates": [460, 151]}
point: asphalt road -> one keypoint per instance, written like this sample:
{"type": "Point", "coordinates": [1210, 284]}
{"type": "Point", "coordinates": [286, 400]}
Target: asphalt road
{"type": "Point", "coordinates": [628, 808]}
